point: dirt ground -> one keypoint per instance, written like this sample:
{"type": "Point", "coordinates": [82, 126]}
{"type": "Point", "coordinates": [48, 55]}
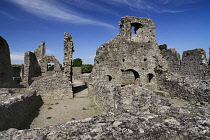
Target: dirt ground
{"type": "Point", "coordinates": [55, 112]}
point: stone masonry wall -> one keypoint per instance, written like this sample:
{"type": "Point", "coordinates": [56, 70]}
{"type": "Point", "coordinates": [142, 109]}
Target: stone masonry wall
{"type": "Point", "coordinates": [67, 59]}
{"type": "Point", "coordinates": [31, 67]}
{"type": "Point", "coordinates": [194, 63]}
{"type": "Point", "coordinates": [16, 111]}
{"type": "Point", "coordinates": [53, 87]}
{"type": "Point", "coordinates": [77, 70]}
{"type": "Point", "coordinates": [5, 65]}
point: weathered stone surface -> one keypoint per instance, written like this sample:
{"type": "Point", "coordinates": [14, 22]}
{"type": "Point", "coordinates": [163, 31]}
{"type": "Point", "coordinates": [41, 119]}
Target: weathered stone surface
{"type": "Point", "coordinates": [67, 59]}
{"type": "Point", "coordinates": [5, 65]}
{"type": "Point", "coordinates": [53, 87]}
{"type": "Point", "coordinates": [77, 70]}
{"type": "Point", "coordinates": [150, 117]}
{"type": "Point", "coordinates": [31, 67]}
{"type": "Point", "coordinates": [40, 51]}
{"type": "Point", "coordinates": [16, 109]}
{"type": "Point", "coordinates": [48, 70]}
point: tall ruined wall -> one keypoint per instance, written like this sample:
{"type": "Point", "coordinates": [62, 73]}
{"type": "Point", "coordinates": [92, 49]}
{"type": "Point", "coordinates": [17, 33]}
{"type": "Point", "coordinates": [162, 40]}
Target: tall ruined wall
{"type": "Point", "coordinates": [31, 67]}
{"type": "Point", "coordinates": [67, 59]}
{"type": "Point", "coordinates": [143, 29]}
{"type": "Point", "coordinates": [173, 59]}
{"type": "Point", "coordinates": [123, 61]}
{"type": "Point", "coordinates": [194, 63]}
{"type": "Point", "coordinates": [5, 65]}
{"type": "Point", "coordinates": [40, 51]}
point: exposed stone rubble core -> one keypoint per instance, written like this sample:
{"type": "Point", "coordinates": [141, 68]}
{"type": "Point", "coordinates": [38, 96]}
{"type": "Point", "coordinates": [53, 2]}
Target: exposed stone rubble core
{"type": "Point", "coordinates": [53, 87]}
{"type": "Point", "coordinates": [16, 109]}
{"type": "Point", "coordinates": [5, 65]}
{"type": "Point", "coordinates": [148, 117]}
{"type": "Point", "coordinates": [67, 59]}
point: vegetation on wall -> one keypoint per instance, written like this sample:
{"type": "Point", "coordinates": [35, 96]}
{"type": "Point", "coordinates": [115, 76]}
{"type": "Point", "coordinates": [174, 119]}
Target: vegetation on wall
{"type": "Point", "coordinates": [162, 47]}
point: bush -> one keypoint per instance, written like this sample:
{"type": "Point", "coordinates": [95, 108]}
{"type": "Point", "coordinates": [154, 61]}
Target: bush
{"type": "Point", "coordinates": [87, 68]}
{"type": "Point", "coordinates": [163, 47]}
{"type": "Point", "coordinates": [77, 62]}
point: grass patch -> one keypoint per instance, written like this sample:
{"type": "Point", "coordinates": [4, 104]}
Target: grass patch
{"type": "Point", "coordinates": [57, 103]}
{"type": "Point", "coordinates": [49, 108]}
{"type": "Point", "coordinates": [84, 108]}
{"type": "Point", "coordinates": [49, 118]}
{"type": "Point", "coordinates": [73, 119]}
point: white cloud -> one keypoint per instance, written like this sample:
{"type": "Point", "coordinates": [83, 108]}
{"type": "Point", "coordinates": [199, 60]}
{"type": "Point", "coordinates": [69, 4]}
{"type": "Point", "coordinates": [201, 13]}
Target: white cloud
{"type": "Point", "coordinates": [158, 6]}
{"type": "Point", "coordinates": [7, 15]}
{"type": "Point", "coordinates": [56, 11]}
{"type": "Point", "coordinates": [17, 57]}
{"type": "Point", "coordinates": [92, 56]}
{"type": "Point", "coordinates": [48, 51]}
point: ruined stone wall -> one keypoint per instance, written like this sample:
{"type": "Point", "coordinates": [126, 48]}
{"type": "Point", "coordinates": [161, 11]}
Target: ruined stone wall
{"type": "Point", "coordinates": [53, 87]}
{"type": "Point", "coordinates": [77, 70]}
{"type": "Point", "coordinates": [46, 69]}
{"type": "Point", "coordinates": [40, 51]}
{"type": "Point", "coordinates": [31, 67]}
{"type": "Point", "coordinates": [194, 63]}
{"type": "Point", "coordinates": [120, 56]}
{"type": "Point", "coordinates": [16, 111]}
{"type": "Point", "coordinates": [143, 29]}
{"type": "Point", "coordinates": [5, 65]}
{"type": "Point", "coordinates": [144, 116]}
{"type": "Point", "coordinates": [67, 59]}
{"type": "Point", "coordinates": [173, 59]}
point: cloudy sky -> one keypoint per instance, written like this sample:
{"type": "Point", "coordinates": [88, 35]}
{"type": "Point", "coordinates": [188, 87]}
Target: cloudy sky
{"type": "Point", "coordinates": [181, 24]}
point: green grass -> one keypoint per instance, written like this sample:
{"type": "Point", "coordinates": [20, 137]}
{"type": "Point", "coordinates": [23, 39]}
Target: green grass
{"type": "Point", "coordinates": [84, 108]}
{"type": "Point", "coordinates": [57, 103]}
{"type": "Point", "coordinates": [49, 108]}
{"type": "Point", "coordinates": [73, 119]}
{"type": "Point", "coordinates": [49, 117]}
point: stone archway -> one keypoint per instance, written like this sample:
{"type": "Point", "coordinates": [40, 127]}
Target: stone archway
{"type": "Point", "coordinates": [129, 76]}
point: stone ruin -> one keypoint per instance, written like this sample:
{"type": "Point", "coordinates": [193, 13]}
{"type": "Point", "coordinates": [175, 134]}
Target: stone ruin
{"type": "Point", "coordinates": [5, 65]}
{"type": "Point", "coordinates": [137, 83]}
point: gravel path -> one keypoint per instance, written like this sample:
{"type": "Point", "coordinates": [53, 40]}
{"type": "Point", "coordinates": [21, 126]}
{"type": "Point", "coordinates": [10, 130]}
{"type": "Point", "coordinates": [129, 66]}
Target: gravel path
{"type": "Point", "coordinates": [55, 112]}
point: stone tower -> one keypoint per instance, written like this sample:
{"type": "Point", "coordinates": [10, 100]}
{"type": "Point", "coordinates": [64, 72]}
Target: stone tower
{"type": "Point", "coordinates": [137, 29]}
{"type": "Point", "coordinates": [67, 59]}
{"type": "Point", "coordinates": [5, 65]}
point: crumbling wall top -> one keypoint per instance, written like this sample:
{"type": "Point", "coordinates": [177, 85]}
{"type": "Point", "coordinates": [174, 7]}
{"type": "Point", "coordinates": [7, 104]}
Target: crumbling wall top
{"type": "Point", "coordinates": [137, 29]}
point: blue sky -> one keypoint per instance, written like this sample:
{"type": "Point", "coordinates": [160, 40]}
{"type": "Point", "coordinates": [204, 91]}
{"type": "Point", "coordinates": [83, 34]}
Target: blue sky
{"type": "Point", "coordinates": [181, 24]}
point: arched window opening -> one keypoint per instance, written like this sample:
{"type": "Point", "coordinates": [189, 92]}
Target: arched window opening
{"type": "Point", "coordinates": [108, 78]}
{"type": "Point", "coordinates": [135, 28]}
{"type": "Point", "coordinates": [129, 77]}
{"type": "Point", "coordinates": [150, 76]}
{"type": "Point", "coordinates": [50, 66]}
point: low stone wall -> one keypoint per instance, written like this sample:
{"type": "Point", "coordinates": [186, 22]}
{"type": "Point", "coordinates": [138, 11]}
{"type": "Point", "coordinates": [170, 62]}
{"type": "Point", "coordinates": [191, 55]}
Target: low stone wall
{"type": "Point", "coordinates": [16, 111]}
{"type": "Point", "coordinates": [77, 70]}
{"type": "Point", "coordinates": [53, 87]}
